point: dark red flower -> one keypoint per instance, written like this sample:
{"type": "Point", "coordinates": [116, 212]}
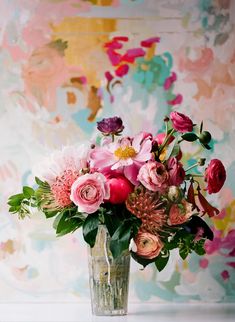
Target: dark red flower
{"type": "Point", "coordinates": [110, 125]}
{"type": "Point", "coordinates": [215, 176]}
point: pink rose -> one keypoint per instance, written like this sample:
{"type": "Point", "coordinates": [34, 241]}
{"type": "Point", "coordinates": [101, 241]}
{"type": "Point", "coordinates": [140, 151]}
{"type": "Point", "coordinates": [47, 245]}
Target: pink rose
{"type": "Point", "coordinates": [154, 176]}
{"type": "Point", "coordinates": [89, 191]}
{"type": "Point", "coordinates": [120, 188]}
{"type": "Point", "coordinates": [176, 172]}
{"type": "Point", "coordinates": [181, 122]}
{"type": "Point", "coordinates": [148, 245]}
{"type": "Point", "coordinates": [179, 213]}
{"type": "Point", "coordinates": [215, 176]}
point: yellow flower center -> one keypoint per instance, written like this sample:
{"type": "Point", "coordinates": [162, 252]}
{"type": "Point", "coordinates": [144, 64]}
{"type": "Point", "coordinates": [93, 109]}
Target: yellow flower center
{"type": "Point", "coordinates": [125, 153]}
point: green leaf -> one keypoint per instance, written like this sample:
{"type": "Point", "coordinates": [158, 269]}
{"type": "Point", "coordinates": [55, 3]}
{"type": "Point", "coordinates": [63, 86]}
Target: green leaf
{"type": "Point", "coordinates": [121, 239]}
{"type": "Point", "coordinates": [162, 260]}
{"type": "Point", "coordinates": [28, 192]}
{"type": "Point", "coordinates": [38, 181]}
{"type": "Point", "coordinates": [57, 220]}
{"type": "Point", "coordinates": [190, 137]}
{"type": "Point", "coordinates": [50, 213]}
{"type": "Point", "coordinates": [184, 251]}
{"type": "Point", "coordinates": [112, 221]}
{"type": "Point", "coordinates": [16, 200]}
{"type": "Point", "coordinates": [90, 228]}
{"type": "Point", "coordinates": [66, 223]}
{"type": "Point", "coordinates": [201, 126]}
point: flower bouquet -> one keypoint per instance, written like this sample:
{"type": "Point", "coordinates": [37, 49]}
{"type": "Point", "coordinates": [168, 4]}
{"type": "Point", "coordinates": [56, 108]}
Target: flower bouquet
{"type": "Point", "coordinates": [131, 195]}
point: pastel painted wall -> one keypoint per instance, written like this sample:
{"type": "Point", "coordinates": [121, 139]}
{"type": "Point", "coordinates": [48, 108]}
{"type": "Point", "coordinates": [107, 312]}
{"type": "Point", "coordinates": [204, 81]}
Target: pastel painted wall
{"type": "Point", "coordinates": [65, 65]}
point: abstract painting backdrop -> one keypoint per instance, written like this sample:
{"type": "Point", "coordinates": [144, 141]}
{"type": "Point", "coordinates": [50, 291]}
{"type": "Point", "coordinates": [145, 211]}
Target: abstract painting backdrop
{"type": "Point", "coordinates": [66, 64]}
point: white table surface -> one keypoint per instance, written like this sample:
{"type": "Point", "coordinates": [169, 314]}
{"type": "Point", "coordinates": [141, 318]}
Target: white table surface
{"type": "Point", "coordinates": [78, 312]}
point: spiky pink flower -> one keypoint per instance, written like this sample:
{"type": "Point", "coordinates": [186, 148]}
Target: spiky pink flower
{"type": "Point", "coordinates": [60, 171]}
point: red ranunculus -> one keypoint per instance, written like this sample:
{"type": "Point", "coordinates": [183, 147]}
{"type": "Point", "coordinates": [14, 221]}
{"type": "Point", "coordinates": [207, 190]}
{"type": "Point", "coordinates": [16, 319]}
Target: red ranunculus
{"type": "Point", "coordinates": [215, 176]}
{"type": "Point", "coordinates": [181, 122]}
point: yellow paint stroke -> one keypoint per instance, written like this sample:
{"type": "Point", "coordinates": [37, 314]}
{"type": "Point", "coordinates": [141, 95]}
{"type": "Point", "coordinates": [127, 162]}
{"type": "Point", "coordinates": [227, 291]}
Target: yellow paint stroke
{"type": "Point", "coordinates": [85, 38]}
{"type": "Point", "coordinates": [225, 224]}
{"type": "Point", "coordinates": [8, 246]}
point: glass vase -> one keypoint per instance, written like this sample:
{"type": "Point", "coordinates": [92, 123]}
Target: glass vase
{"type": "Point", "coordinates": [108, 277]}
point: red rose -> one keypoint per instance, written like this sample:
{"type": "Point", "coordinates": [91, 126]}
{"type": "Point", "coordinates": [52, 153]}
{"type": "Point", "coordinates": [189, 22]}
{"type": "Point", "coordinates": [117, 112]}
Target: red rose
{"type": "Point", "coordinates": [215, 176]}
{"type": "Point", "coordinates": [181, 122]}
{"type": "Point", "coordinates": [120, 187]}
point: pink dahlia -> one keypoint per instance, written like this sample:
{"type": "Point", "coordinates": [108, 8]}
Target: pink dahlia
{"type": "Point", "coordinates": [127, 154]}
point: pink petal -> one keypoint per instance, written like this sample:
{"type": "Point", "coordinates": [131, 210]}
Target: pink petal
{"type": "Point", "coordinates": [137, 141]}
{"type": "Point", "coordinates": [149, 42]}
{"type": "Point", "coordinates": [145, 152]}
{"type": "Point", "coordinates": [131, 173]}
{"type": "Point", "coordinates": [101, 158]}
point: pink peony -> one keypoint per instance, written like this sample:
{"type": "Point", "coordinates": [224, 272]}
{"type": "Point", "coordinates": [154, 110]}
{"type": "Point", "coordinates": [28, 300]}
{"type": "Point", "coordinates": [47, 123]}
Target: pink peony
{"type": "Point", "coordinates": [215, 176]}
{"type": "Point", "coordinates": [120, 188]}
{"type": "Point", "coordinates": [154, 176]}
{"type": "Point", "coordinates": [89, 191]}
{"type": "Point", "coordinates": [181, 122]}
{"type": "Point", "coordinates": [126, 154]}
{"type": "Point", "coordinates": [148, 245]}
{"type": "Point", "coordinates": [179, 213]}
{"type": "Point", "coordinates": [176, 172]}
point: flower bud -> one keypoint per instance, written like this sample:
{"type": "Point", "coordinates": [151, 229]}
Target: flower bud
{"type": "Point", "coordinates": [174, 193]}
{"type": "Point", "coordinates": [201, 162]}
{"type": "Point", "coordinates": [205, 137]}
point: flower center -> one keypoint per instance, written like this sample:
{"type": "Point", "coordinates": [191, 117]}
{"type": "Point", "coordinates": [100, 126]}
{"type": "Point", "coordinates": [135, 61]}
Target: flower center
{"type": "Point", "coordinates": [125, 153]}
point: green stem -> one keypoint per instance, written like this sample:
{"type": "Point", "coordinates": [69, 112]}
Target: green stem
{"type": "Point", "coordinates": [166, 140]}
{"type": "Point", "coordinates": [191, 167]}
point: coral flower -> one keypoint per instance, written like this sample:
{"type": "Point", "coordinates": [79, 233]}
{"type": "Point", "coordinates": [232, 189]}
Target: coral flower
{"type": "Point", "coordinates": [127, 154]}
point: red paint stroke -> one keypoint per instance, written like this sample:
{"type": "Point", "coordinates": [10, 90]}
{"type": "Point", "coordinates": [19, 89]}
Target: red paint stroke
{"type": "Point", "coordinates": [203, 263]}
{"type": "Point", "coordinates": [149, 42]}
{"type": "Point", "coordinates": [122, 70]}
{"type": "Point", "coordinates": [177, 100]}
{"type": "Point", "coordinates": [169, 81]}
{"type": "Point", "coordinates": [120, 38]}
{"type": "Point", "coordinates": [115, 58]}
{"type": "Point", "coordinates": [108, 76]}
{"type": "Point", "coordinates": [132, 54]}
{"type": "Point", "coordinates": [113, 45]}
{"type": "Point", "coordinates": [231, 264]}
{"type": "Point", "coordinates": [225, 275]}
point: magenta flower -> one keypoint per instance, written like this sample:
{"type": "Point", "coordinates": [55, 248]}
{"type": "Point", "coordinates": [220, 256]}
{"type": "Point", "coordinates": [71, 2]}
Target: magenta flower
{"type": "Point", "coordinates": [126, 154]}
{"type": "Point", "coordinates": [215, 176]}
{"type": "Point", "coordinates": [111, 125]}
{"type": "Point", "coordinates": [181, 122]}
{"type": "Point", "coordinates": [176, 172]}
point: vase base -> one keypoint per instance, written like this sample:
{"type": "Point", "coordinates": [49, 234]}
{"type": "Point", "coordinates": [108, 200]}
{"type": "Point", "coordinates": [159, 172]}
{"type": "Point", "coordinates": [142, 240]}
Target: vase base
{"type": "Point", "coordinates": [110, 313]}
